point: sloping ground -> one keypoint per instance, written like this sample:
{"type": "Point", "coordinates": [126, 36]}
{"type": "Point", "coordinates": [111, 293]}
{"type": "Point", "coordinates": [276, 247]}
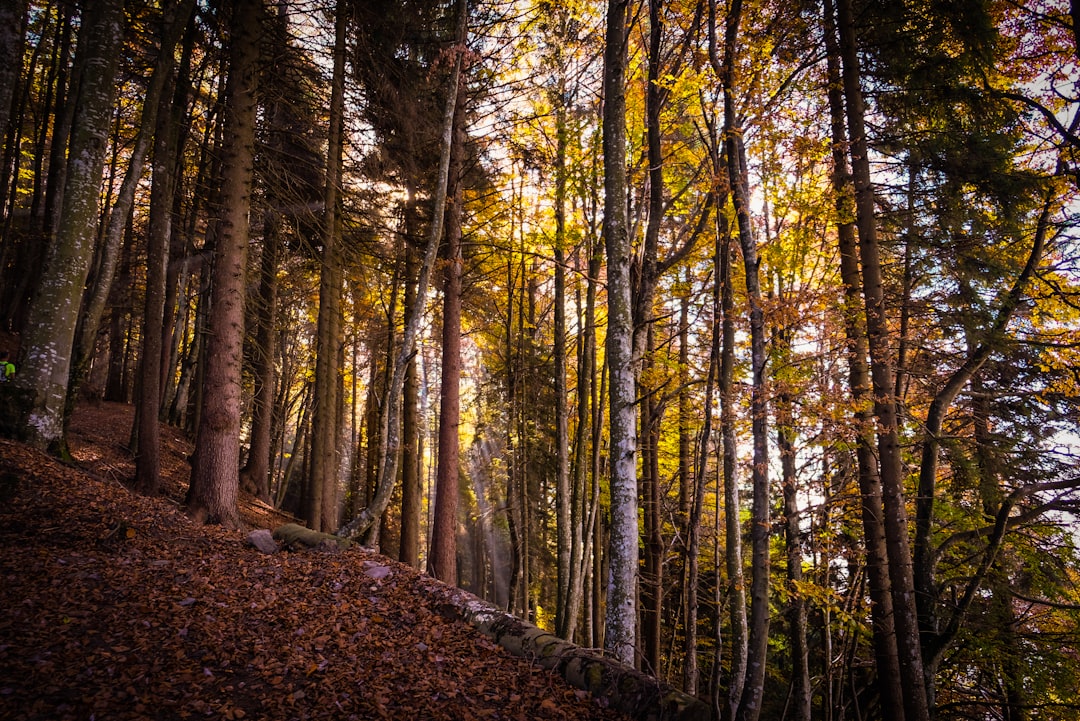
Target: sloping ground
{"type": "Point", "coordinates": [117, 606]}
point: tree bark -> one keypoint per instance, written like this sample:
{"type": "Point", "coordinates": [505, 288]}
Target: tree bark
{"type": "Point", "coordinates": [897, 543]}
{"type": "Point", "coordinates": [567, 534]}
{"type": "Point", "coordinates": [877, 568]}
{"type": "Point", "coordinates": [621, 618]}
{"type": "Point", "coordinates": [757, 646]}
{"type": "Point", "coordinates": [257, 468]}
{"type": "Point", "coordinates": [49, 341]}
{"type": "Point", "coordinates": [212, 495]}
{"type": "Point", "coordinates": [325, 460]}
{"type": "Point", "coordinates": [147, 457]}
{"type": "Point", "coordinates": [442, 561]}
{"type": "Point", "coordinates": [367, 522]}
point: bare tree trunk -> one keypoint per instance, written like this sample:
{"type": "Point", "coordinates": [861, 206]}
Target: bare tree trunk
{"type": "Point", "coordinates": [442, 561]}
{"type": "Point", "coordinates": [620, 623]}
{"type": "Point", "coordinates": [877, 565]}
{"type": "Point", "coordinates": [897, 543]}
{"type": "Point", "coordinates": [49, 342]}
{"type": "Point", "coordinates": [325, 457]}
{"type": "Point", "coordinates": [257, 468]}
{"type": "Point", "coordinates": [147, 457]}
{"type": "Point", "coordinates": [212, 495]}
{"type": "Point", "coordinates": [409, 547]}
{"type": "Point", "coordinates": [564, 496]}
{"type": "Point", "coordinates": [796, 613]}
{"type": "Point", "coordinates": [696, 504]}
{"type": "Point", "coordinates": [750, 701]}
{"type": "Point", "coordinates": [367, 522]}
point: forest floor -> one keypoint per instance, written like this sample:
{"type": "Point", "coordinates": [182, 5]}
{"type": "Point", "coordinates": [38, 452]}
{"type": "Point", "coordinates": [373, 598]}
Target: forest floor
{"type": "Point", "coordinates": [118, 606]}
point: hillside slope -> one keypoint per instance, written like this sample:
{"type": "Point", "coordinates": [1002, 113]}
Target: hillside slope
{"type": "Point", "coordinates": [118, 606]}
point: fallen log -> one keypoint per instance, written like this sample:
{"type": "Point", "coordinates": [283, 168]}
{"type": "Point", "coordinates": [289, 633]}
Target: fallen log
{"type": "Point", "coordinates": [638, 695]}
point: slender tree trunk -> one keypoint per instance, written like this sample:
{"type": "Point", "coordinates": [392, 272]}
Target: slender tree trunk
{"type": "Point", "coordinates": [325, 460]}
{"type": "Point", "coordinates": [49, 341]}
{"type": "Point", "coordinates": [621, 618]}
{"type": "Point", "coordinates": [564, 496]}
{"type": "Point", "coordinates": [442, 561]}
{"type": "Point", "coordinates": [750, 701]}
{"type": "Point", "coordinates": [800, 700]}
{"type": "Point", "coordinates": [877, 565]}
{"type": "Point", "coordinates": [147, 457]}
{"type": "Point", "coordinates": [409, 548]}
{"type": "Point", "coordinates": [733, 556]}
{"type": "Point", "coordinates": [367, 522]}
{"type": "Point", "coordinates": [897, 543]}
{"type": "Point", "coordinates": [212, 495]}
{"type": "Point", "coordinates": [697, 501]}
{"type": "Point", "coordinates": [257, 468]}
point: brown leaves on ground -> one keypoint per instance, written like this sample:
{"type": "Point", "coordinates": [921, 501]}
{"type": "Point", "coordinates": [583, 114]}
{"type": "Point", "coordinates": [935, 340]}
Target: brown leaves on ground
{"type": "Point", "coordinates": [118, 606]}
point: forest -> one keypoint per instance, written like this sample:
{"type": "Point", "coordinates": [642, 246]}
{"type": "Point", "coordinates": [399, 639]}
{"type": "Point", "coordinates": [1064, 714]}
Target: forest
{"type": "Point", "coordinates": [738, 340]}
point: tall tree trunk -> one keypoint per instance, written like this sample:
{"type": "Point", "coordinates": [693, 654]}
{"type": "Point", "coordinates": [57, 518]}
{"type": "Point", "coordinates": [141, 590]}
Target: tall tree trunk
{"type": "Point", "coordinates": [147, 457]}
{"type": "Point", "coordinates": [257, 468]}
{"type": "Point", "coordinates": [49, 341]}
{"type": "Point", "coordinates": [651, 576]}
{"type": "Point", "coordinates": [564, 496]}
{"type": "Point", "coordinates": [696, 505]}
{"type": "Point", "coordinates": [212, 495]}
{"type": "Point", "coordinates": [621, 617]}
{"type": "Point", "coordinates": [161, 78]}
{"type": "Point", "coordinates": [877, 565]}
{"type": "Point", "coordinates": [800, 699]}
{"type": "Point", "coordinates": [409, 547]}
{"type": "Point", "coordinates": [897, 543]}
{"type": "Point", "coordinates": [325, 460]}
{"type": "Point", "coordinates": [442, 561]}
{"type": "Point", "coordinates": [757, 647]}
{"type": "Point", "coordinates": [367, 522]}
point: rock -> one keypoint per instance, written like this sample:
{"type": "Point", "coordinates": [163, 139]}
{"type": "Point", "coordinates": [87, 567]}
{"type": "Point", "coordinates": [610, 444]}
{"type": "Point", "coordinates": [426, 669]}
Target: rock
{"type": "Point", "coordinates": [263, 540]}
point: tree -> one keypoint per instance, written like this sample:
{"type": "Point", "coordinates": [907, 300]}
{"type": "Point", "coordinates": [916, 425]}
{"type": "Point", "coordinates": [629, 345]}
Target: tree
{"type": "Point", "coordinates": [442, 562]}
{"type": "Point", "coordinates": [325, 459]}
{"type": "Point", "coordinates": [882, 382]}
{"type": "Point", "coordinates": [367, 521]}
{"type": "Point", "coordinates": [215, 472]}
{"type": "Point", "coordinates": [46, 361]}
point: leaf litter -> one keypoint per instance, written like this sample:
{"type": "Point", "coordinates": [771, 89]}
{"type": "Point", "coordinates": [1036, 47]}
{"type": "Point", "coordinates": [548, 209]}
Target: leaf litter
{"type": "Point", "coordinates": [120, 607]}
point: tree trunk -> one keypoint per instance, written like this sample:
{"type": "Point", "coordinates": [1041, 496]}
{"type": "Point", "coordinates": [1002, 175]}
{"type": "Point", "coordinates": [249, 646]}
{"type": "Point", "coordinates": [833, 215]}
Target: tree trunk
{"type": "Point", "coordinates": [696, 504]}
{"type": "Point", "coordinates": [49, 341]}
{"type": "Point", "coordinates": [325, 460]}
{"type": "Point", "coordinates": [442, 561]}
{"type": "Point", "coordinates": [367, 522]}
{"type": "Point", "coordinates": [750, 702]}
{"type": "Point", "coordinates": [564, 495]}
{"type": "Point", "coordinates": [409, 547]}
{"type": "Point", "coordinates": [882, 383]}
{"type": "Point", "coordinates": [212, 495]}
{"type": "Point", "coordinates": [800, 700]}
{"type": "Point", "coordinates": [877, 568]}
{"type": "Point", "coordinates": [257, 468]}
{"type": "Point", "coordinates": [147, 457]}
{"type": "Point", "coordinates": [621, 619]}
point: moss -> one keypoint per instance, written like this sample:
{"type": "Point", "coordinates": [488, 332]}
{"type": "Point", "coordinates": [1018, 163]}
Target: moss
{"type": "Point", "coordinates": [295, 535]}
